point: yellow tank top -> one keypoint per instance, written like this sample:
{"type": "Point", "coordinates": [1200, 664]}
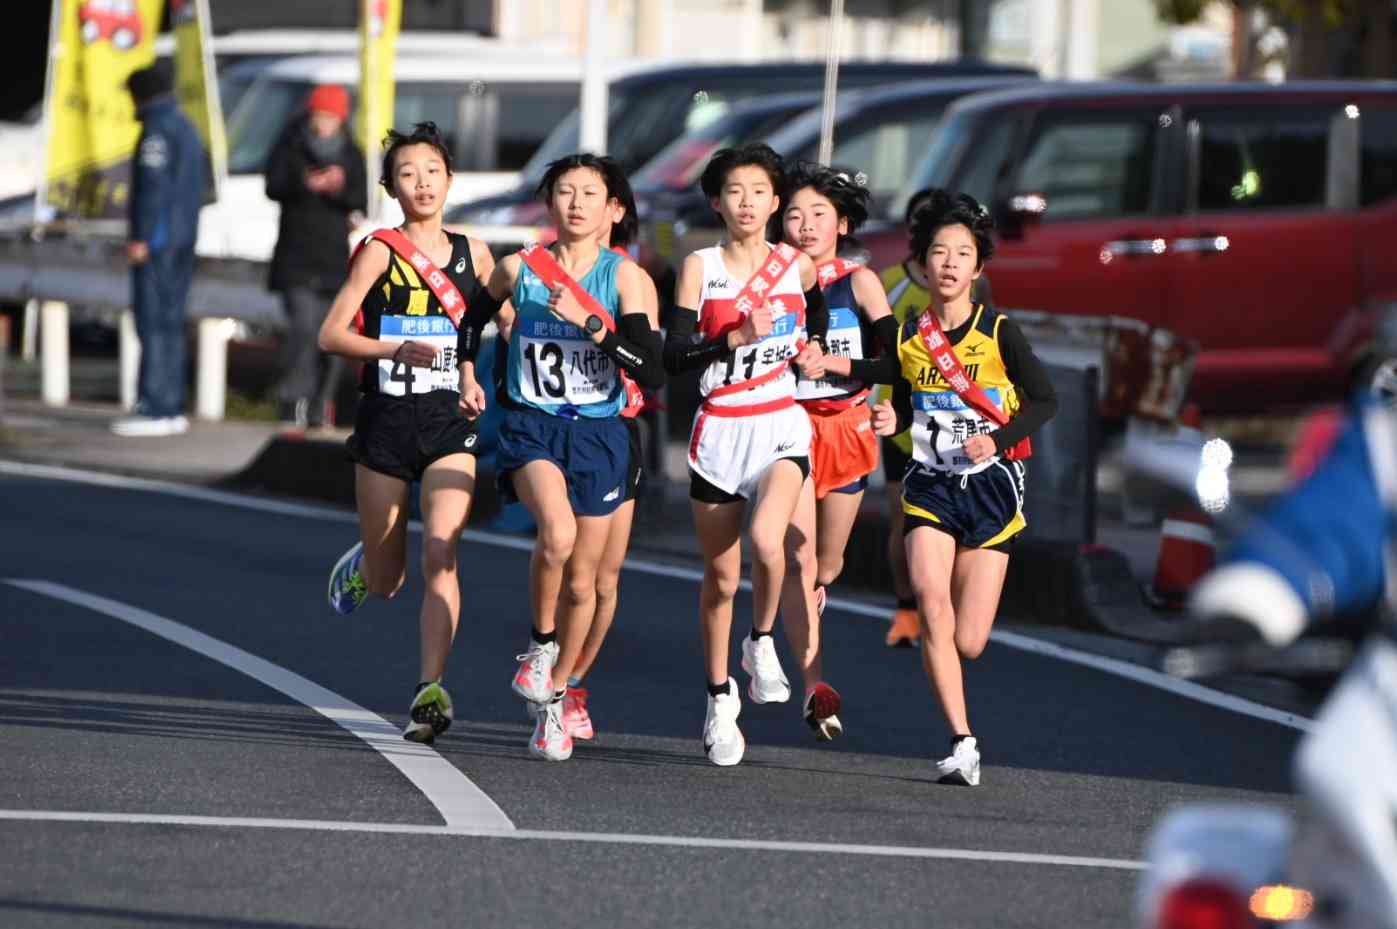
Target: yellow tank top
{"type": "Point", "coordinates": [905, 296]}
{"type": "Point", "coordinates": [941, 421]}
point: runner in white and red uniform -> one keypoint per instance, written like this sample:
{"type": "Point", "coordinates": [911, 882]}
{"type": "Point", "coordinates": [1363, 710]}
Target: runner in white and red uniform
{"type": "Point", "coordinates": [745, 311]}
{"type": "Point", "coordinates": [822, 207]}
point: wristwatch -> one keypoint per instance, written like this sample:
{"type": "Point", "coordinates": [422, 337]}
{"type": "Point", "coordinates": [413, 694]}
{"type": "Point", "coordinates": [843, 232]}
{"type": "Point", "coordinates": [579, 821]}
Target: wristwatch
{"type": "Point", "coordinates": [594, 324]}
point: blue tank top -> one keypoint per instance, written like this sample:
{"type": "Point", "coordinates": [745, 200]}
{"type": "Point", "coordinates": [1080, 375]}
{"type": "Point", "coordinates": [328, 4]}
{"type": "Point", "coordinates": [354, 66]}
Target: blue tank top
{"type": "Point", "coordinates": [554, 366]}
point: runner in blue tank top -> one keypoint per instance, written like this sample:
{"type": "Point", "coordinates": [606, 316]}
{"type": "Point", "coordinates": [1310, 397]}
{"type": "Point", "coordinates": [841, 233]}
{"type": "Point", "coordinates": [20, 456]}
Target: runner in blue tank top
{"type": "Point", "coordinates": [563, 450]}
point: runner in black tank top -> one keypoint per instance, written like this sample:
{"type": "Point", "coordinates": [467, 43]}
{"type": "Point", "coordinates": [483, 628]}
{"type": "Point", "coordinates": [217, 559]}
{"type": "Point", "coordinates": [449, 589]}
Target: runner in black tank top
{"type": "Point", "coordinates": [418, 384]}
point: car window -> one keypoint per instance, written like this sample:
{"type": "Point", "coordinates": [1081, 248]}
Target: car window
{"type": "Point", "coordinates": [989, 159]}
{"type": "Point", "coordinates": [935, 165]}
{"type": "Point", "coordinates": [1254, 159]}
{"type": "Point", "coordinates": [1379, 159]}
{"type": "Point", "coordinates": [526, 115]}
{"type": "Point", "coordinates": [259, 120]}
{"type": "Point", "coordinates": [1091, 165]}
{"type": "Point", "coordinates": [887, 146]}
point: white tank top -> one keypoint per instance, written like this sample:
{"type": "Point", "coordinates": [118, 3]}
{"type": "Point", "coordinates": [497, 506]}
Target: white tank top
{"type": "Point", "coordinates": [717, 316]}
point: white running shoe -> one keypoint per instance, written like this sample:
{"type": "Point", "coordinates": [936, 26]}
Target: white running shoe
{"type": "Point", "coordinates": [769, 684]}
{"type": "Point", "coordinates": [534, 679]}
{"type": "Point", "coordinates": [141, 425]}
{"type": "Point", "coordinates": [550, 740]}
{"type": "Point", "coordinates": [722, 740]}
{"type": "Point", "coordinates": [962, 766]}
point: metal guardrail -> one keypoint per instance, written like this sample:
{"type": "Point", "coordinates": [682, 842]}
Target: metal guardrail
{"type": "Point", "coordinates": [87, 267]}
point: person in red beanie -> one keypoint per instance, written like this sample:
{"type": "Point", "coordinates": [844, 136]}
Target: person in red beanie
{"type": "Point", "coordinates": [316, 173]}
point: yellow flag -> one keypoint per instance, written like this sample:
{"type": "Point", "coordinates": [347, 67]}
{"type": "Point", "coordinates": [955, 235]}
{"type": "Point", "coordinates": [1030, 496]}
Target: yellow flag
{"type": "Point", "coordinates": [90, 119]}
{"type": "Point", "coordinates": [378, 39]}
{"type": "Point", "coordinates": [196, 83]}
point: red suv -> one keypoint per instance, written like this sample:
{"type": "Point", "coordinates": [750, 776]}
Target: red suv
{"type": "Point", "coordinates": [1259, 221]}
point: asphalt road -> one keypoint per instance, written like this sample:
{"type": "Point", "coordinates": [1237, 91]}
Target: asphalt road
{"type": "Point", "coordinates": [146, 781]}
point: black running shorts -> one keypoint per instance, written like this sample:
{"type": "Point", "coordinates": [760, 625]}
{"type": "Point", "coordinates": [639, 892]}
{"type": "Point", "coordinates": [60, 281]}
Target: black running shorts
{"type": "Point", "coordinates": [401, 436]}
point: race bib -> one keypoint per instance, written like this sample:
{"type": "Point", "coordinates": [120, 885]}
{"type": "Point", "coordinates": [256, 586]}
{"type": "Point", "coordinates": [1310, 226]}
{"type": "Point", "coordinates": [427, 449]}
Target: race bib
{"type": "Point", "coordinates": [560, 365]}
{"type": "Point", "coordinates": [775, 349]}
{"type": "Point", "coordinates": [398, 379]}
{"type": "Point", "coordinates": [843, 338]}
{"type": "Point", "coordinates": [941, 425]}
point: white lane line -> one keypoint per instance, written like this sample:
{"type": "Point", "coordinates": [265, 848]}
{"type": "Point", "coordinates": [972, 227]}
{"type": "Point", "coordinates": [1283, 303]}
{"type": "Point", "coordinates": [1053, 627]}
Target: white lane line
{"type": "Point", "coordinates": [610, 838]}
{"type": "Point", "coordinates": [1113, 666]}
{"type": "Point", "coordinates": [460, 802]}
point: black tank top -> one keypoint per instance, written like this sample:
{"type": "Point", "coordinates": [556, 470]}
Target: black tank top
{"type": "Point", "coordinates": [400, 307]}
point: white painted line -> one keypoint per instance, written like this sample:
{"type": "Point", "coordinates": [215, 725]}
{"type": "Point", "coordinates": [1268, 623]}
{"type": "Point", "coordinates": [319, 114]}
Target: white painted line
{"type": "Point", "coordinates": [610, 838]}
{"type": "Point", "coordinates": [460, 802]}
{"type": "Point", "coordinates": [1124, 669]}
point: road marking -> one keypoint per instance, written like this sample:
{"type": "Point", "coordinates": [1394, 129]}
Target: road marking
{"type": "Point", "coordinates": [611, 838]}
{"type": "Point", "coordinates": [1113, 666]}
{"type": "Point", "coordinates": [461, 804]}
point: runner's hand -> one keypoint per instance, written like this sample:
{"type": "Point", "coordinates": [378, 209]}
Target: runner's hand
{"type": "Point", "coordinates": [754, 328]}
{"type": "Point", "coordinates": [472, 396]}
{"type": "Point", "coordinates": [415, 355]}
{"type": "Point", "coordinates": [562, 304]}
{"type": "Point", "coordinates": [811, 362]}
{"type": "Point", "coordinates": [884, 418]}
{"type": "Point", "coordinates": [979, 448]}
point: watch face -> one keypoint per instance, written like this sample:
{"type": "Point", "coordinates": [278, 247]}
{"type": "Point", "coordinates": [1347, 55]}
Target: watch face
{"type": "Point", "coordinates": [594, 323]}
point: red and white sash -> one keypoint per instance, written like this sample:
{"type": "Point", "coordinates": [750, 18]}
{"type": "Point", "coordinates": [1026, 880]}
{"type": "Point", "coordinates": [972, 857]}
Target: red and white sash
{"type": "Point", "coordinates": [974, 396]}
{"type": "Point", "coordinates": [447, 294]}
{"type": "Point", "coordinates": [834, 269]}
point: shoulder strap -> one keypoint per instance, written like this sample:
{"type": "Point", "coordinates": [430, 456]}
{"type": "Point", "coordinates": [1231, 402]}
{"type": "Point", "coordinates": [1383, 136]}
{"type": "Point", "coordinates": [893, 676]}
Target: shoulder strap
{"type": "Point", "coordinates": [541, 261]}
{"type": "Point", "coordinates": [447, 294]}
{"type": "Point", "coordinates": [944, 356]}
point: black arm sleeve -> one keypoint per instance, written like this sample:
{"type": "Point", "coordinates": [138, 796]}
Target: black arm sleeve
{"type": "Point", "coordinates": [885, 368]}
{"type": "Point", "coordinates": [681, 352]}
{"type": "Point", "coordinates": [902, 404]}
{"type": "Point", "coordinates": [1031, 382]}
{"type": "Point", "coordinates": [635, 347]}
{"type": "Point", "coordinates": [816, 315]}
{"type": "Point", "coordinates": [482, 309]}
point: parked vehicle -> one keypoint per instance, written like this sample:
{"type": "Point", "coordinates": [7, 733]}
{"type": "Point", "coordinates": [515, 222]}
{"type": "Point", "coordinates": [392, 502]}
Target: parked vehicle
{"type": "Point", "coordinates": [1256, 220]}
{"type": "Point", "coordinates": [879, 132]}
{"type": "Point", "coordinates": [652, 108]}
{"type": "Point", "coordinates": [493, 106]}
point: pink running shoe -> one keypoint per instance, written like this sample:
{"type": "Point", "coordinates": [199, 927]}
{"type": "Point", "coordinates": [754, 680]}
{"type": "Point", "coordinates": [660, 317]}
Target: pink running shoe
{"type": "Point", "coordinates": [576, 720]}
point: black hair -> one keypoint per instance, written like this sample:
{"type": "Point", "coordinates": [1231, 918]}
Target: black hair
{"type": "Point", "coordinates": [944, 209]}
{"type": "Point", "coordinates": [609, 168]}
{"type": "Point", "coordinates": [421, 134]}
{"type": "Point", "coordinates": [726, 160]}
{"type": "Point", "coordinates": [626, 231]}
{"type": "Point", "coordinates": [849, 197]}
{"type": "Point", "coordinates": [147, 83]}
{"type": "Point", "coordinates": [915, 203]}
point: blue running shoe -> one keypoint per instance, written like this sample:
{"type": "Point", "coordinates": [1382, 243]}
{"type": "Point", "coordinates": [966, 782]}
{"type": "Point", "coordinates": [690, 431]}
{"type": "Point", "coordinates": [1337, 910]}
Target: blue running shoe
{"type": "Point", "coordinates": [347, 588]}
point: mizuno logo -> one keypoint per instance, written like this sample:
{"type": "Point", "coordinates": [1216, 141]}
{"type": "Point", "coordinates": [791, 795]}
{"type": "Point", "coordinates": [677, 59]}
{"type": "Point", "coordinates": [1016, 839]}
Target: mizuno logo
{"type": "Point", "coordinates": [974, 351]}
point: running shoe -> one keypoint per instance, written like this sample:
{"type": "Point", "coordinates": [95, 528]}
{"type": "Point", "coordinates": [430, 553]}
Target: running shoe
{"type": "Point", "coordinates": [430, 712]}
{"type": "Point", "coordinates": [820, 706]}
{"type": "Point", "coordinates": [905, 631]}
{"type": "Point", "coordinates": [722, 740]}
{"type": "Point", "coordinates": [347, 588]}
{"type": "Point", "coordinates": [550, 740]}
{"type": "Point", "coordinates": [769, 684]}
{"type": "Point", "coordinates": [962, 766]}
{"type": "Point", "coordinates": [576, 719]}
{"type": "Point", "coordinates": [534, 679]}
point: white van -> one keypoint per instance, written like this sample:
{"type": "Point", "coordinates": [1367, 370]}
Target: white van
{"type": "Point", "coordinates": [494, 107]}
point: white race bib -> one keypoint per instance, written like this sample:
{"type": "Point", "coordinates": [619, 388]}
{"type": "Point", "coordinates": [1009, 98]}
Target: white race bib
{"type": "Point", "coordinates": [941, 425]}
{"type": "Point", "coordinates": [398, 379]}
{"type": "Point", "coordinates": [844, 338]}
{"type": "Point", "coordinates": [560, 365]}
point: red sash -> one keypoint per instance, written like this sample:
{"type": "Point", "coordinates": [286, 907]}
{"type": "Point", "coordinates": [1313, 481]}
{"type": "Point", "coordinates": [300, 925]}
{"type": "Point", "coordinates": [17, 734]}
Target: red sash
{"type": "Point", "coordinates": [834, 269]}
{"type": "Point", "coordinates": [541, 261]}
{"type": "Point", "coordinates": [748, 299]}
{"type": "Point", "coordinates": [452, 303]}
{"type": "Point", "coordinates": [934, 338]}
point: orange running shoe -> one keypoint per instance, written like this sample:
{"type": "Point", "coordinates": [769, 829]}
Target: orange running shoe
{"type": "Point", "coordinates": [575, 718]}
{"type": "Point", "coordinates": [905, 631]}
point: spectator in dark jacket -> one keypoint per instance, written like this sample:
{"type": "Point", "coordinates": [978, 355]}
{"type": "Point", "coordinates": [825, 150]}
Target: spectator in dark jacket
{"type": "Point", "coordinates": [316, 173]}
{"type": "Point", "coordinates": [169, 177]}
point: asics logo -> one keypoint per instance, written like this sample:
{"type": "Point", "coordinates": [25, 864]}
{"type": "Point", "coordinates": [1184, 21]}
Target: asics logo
{"type": "Point", "coordinates": [470, 440]}
{"type": "Point", "coordinates": [461, 266]}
